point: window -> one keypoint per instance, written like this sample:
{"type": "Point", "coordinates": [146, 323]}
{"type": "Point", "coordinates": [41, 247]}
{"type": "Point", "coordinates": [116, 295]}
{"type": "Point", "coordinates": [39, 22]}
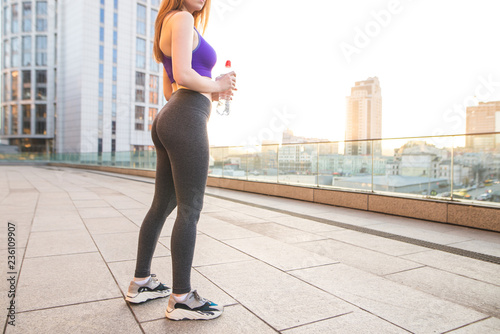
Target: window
{"type": "Point", "coordinates": [141, 20]}
{"type": "Point", "coordinates": [26, 61]}
{"type": "Point", "coordinates": [101, 34]}
{"type": "Point", "coordinates": [154, 14]}
{"type": "Point", "coordinates": [5, 120]}
{"type": "Point", "coordinates": [141, 53]}
{"type": "Point", "coordinates": [26, 88]}
{"type": "Point", "coordinates": [15, 85]}
{"type": "Point", "coordinates": [140, 79]}
{"type": "Point", "coordinates": [140, 86]}
{"type": "Point", "coordinates": [152, 114]}
{"type": "Point", "coordinates": [139, 118]}
{"type": "Point", "coordinates": [41, 85]}
{"type": "Point", "coordinates": [41, 50]}
{"type": "Point", "coordinates": [14, 120]}
{"type": "Point", "coordinates": [6, 87]}
{"type": "Point", "coordinates": [114, 73]}
{"type": "Point", "coordinates": [26, 119]}
{"type": "Point", "coordinates": [26, 16]}
{"type": "Point", "coordinates": [115, 38]}
{"type": "Point", "coordinates": [101, 15]}
{"type": "Point", "coordinates": [113, 127]}
{"type": "Point", "coordinates": [101, 52]}
{"type": "Point", "coordinates": [6, 54]}
{"type": "Point", "coordinates": [6, 20]}
{"type": "Point", "coordinates": [153, 64]}
{"type": "Point", "coordinates": [155, 3]}
{"type": "Point", "coordinates": [41, 16]}
{"type": "Point", "coordinates": [115, 20]}
{"type": "Point", "coordinates": [14, 23]}
{"type": "Point", "coordinates": [14, 52]}
{"type": "Point", "coordinates": [153, 89]}
{"type": "Point", "coordinates": [139, 95]}
{"type": "Point", "coordinates": [41, 119]}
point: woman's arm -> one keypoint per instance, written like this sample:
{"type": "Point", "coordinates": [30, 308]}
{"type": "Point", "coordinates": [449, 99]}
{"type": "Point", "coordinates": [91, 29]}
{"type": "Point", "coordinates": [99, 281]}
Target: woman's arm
{"type": "Point", "coordinates": [182, 50]}
{"type": "Point", "coordinates": [167, 85]}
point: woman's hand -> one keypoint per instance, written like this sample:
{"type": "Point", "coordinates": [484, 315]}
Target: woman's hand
{"type": "Point", "coordinates": [227, 83]}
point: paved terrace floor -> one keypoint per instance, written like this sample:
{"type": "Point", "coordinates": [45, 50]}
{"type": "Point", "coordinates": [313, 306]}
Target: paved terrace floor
{"type": "Point", "coordinates": [278, 265]}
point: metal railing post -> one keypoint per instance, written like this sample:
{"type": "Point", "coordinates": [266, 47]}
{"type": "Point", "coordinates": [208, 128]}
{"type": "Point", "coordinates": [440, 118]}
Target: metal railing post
{"type": "Point", "coordinates": [373, 155]}
{"type": "Point", "coordinates": [452, 166]}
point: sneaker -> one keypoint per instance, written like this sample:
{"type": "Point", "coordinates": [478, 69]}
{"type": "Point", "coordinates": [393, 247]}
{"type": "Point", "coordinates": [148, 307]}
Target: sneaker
{"type": "Point", "coordinates": [151, 290]}
{"type": "Point", "coordinates": [193, 308]}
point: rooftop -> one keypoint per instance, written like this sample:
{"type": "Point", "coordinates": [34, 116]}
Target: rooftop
{"type": "Point", "coordinates": [278, 265]}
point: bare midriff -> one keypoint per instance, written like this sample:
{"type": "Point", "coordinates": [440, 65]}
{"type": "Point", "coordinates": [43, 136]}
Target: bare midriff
{"type": "Point", "coordinates": [175, 87]}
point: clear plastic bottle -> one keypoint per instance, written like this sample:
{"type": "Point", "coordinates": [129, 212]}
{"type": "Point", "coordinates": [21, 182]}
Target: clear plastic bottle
{"type": "Point", "coordinates": [224, 105]}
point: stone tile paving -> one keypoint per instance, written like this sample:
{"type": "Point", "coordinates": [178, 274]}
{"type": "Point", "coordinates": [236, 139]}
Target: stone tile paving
{"type": "Point", "coordinates": [76, 236]}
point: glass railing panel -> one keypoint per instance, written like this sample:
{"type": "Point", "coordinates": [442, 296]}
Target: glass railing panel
{"type": "Point", "coordinates": [262, 163]}
{"type": "Point", "coordinates": [414, 166]}
{"type": "Point", "coordinates": [234, 162]}
{"type": "Point", "coordinates": [352, 166]}
{"type": "Point", "coordinates": [142, 159]}
{"type": "Point", "coordinates": [297, 164]}
{"type": "Point", "coordinates": [328, 163]}
{"type": "Point", "coordinates": [465, 167]}
{"type": "Point", "coordinates": [476, 166]}
{"type": "Point", "coordinates": [216, 162]}
{"type": "Point", "coordinates": [122, 159]}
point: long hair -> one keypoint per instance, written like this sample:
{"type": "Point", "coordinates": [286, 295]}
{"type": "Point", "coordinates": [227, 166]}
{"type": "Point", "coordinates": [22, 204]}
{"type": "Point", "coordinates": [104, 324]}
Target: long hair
{"type": "Point", "coordinates": [166, 6]}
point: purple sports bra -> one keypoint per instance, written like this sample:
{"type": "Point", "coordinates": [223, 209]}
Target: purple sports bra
{"type": "Point", "coordinates": [203, 60]}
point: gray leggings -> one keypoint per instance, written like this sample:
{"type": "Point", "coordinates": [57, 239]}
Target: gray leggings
{"type": "Point", "coordinates": [180, 136]}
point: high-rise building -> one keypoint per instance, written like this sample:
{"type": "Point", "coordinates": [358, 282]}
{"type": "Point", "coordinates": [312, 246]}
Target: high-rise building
{"type": "Point", "coordinates": [78, 76]}
{"type": "Point", "coordinates": [364, 118]}
{"type": "Point", "coordinates": [483, 118]}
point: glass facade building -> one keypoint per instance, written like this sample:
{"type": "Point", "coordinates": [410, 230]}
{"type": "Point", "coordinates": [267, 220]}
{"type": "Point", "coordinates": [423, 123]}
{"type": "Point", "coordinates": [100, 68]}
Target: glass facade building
{"type": "Point", "coordinates": [73, 79]}
{"type": "Point", "coordinates": [28, 74]}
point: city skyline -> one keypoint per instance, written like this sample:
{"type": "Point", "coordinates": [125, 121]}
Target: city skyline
{"type": "Point", "coordinates": [299, 79]}
{"type": "Point", "coordinates": [434, 60]}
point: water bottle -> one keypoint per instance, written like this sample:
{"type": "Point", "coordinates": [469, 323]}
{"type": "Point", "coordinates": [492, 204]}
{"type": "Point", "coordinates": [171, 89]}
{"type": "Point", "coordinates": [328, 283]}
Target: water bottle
{"type": "Point", "coordinates": [224, 105]}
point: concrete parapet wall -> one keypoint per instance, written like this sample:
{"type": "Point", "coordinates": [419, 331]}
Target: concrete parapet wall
{"type": "Point", "coordinates": [427, 209]}
{"type": "Point", "coordinates": [455, 213]}
{"type": "Point", "coordinates": [108, 169]}
{"type": "Point", "coordinates": [407, 207]}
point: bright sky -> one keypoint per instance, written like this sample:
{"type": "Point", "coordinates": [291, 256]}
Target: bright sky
{"type": "Point", "coordinates": [292, 61]}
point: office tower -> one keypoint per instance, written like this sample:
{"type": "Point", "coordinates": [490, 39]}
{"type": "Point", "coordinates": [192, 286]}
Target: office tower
{"type": "Point", "coordinates": [78, 76]}
{"type": "Point", "coordinates": [483, 118]}
{"type": "Point", "coordinates": [364, 118]}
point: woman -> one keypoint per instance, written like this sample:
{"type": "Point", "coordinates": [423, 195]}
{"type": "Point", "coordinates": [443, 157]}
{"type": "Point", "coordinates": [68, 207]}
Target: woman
{"type": "Point", "coordinates": [180, 136]}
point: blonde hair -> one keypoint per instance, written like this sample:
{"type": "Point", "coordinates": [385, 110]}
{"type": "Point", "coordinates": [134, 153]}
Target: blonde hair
{"type": "Point", "coordinates": [166, 6]}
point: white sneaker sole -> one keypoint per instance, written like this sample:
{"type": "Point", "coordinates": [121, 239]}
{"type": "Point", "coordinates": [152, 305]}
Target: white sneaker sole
{"type": "Point", "coordinates": [145, 296]}
{"type": "Point", "coordinates": [181, 314]}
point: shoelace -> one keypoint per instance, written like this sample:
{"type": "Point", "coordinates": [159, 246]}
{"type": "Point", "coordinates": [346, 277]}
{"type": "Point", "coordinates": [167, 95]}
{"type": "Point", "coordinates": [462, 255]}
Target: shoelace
{"type": "Point", "coordinates": [153, 278]}
{"type": "Point", "coordinates": [198, 297]}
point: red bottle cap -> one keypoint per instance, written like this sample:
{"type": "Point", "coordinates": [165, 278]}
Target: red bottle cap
{"type": "Point", "coordinates": [228, 63]}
